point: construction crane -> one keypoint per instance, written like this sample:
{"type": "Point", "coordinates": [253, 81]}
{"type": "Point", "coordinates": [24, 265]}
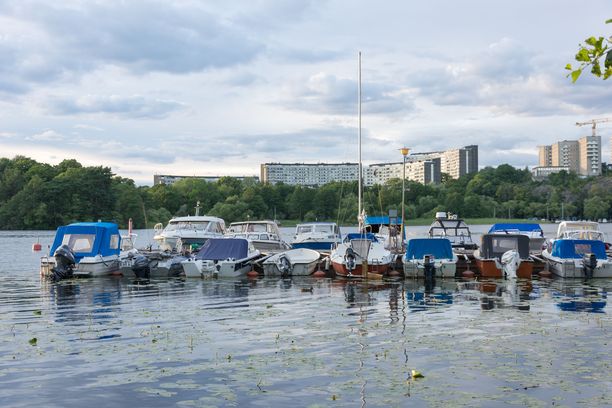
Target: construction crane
{"type": "Point", "coordinates": [594, 122]}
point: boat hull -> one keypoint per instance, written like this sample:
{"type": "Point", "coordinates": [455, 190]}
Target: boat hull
{"type": "Point", "coordinates": [444, 269]}
{"type": "Point", "coordinates": [491, 268]}
{"type": "Point", "coordinates": [341, 270]}
{"type": "Point", "coordinates": [570, 268]}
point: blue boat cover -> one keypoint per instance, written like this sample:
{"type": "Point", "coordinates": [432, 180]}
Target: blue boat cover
{"type": "Point", "coordinates": [356, 235]}
{"type": "Point", "coordinates": [440, 248]}
{"type": "Point", "coordinates": [382, 219]}
{"type": "Point", "coordinates": [576, 248]}
{"type": "Point", "coordinates": [526, 227]}
{"type": "Point", "coordinates": [89, 239]}
{"type": "Point", "coordinates": [217, 249]}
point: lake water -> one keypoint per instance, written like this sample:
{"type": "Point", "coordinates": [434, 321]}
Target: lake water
{"type": "Point", "coordinates": [301, 342]}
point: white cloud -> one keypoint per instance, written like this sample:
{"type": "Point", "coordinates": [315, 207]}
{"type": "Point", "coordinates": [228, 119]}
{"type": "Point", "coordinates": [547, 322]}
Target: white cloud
{"type": "Point", "coordinates": [47, 136]}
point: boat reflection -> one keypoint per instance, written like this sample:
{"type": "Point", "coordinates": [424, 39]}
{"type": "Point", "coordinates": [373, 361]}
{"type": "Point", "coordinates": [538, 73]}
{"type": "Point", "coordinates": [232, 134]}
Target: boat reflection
{"type": "Point", "coordinates": [580, 297]}
{"type": "Point", "coordinates": [423, 296]}
{"type": "Point", "coordinates": [498, 293]}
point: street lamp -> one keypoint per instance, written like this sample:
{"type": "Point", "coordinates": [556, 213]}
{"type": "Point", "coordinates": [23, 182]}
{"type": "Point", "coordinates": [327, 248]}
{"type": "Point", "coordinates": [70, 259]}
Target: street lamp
{"type": "Point", "coordinates": [404, 151]}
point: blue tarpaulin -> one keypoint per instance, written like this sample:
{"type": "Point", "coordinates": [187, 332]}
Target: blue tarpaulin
{"type": "Point", "coordinates": [518, 227]}
{"type": "Point", "coordinates": [382, 219]}
{"type": "Point", "coordinates": [440, 248]}
{"type": "Point", "coordinates": [217, 249]}
{"type": "Point", "coordinates": [576, 248]}
{"type": "Point", "coordinates": [356, 235]}
{"type": "Point", "coordinates": [88, 239]}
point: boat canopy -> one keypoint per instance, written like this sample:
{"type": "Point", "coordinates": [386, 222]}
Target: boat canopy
{"type": "Point", "coordinates": [580, 230]}
{"type": "Point", "coordinates": [356, 235]}
{"type": "Point", "coordinates": [217, 249]}
{"type": "Point", "coordinates": [577, 248]}
{"type": "Point", "coordinates": [495, 245]}
{"type": "Point", "coordinates": [88, 239]}
{"type": "Point", "coordinates": [381, 220]}
{"type": "Point", "coordinates": [516, 228]}
{"type": "Point", "coordinates": [438, 248]}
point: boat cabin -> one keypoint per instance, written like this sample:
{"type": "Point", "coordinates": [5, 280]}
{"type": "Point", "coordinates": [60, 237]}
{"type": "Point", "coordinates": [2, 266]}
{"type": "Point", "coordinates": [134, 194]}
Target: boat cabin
{"type": "Point", "coordinates": [455, 230]}
{"type": "Point", "coordinates": [580, 230]}
{"type": "Point", "coordinates": [495, 245]}
{"type": "Point", "coordinates": [578, 248]}
{"type": "Point", "coordinates": [255, 230]}
{"type": "Point", "coordinates": [88, 239]}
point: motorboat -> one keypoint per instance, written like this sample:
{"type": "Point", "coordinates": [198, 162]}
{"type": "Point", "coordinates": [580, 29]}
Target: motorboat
{"type": "Point", "coordinates": [423, 254]}
{"type": "Point", "coordinates": [504, 255]}
{"type": "Point", "coordinates": [534, 231]}
{"type": "Point", "coordinates": [145, 264]}
{"type": "Point", "coordinates": [265, 235]}
{"type": "Point", "coordinates": [451, 227]}
{"type": "Point", "coordinates": [188, 232]}
{"type": "Point", "coordinates": [348, 257]}
{"type": "Point", "coordinates": [294, 262]}
{"type": "Point", "coordinates": [221, 257]}
{"type": "Point", "coordinates": [580, 230]}
{"type": "Point", "coordinates": [578, 258]}
{"type": "Point", "coordinates": [320, 236]}
{"type": "Point", "coordinates": [83, 249]}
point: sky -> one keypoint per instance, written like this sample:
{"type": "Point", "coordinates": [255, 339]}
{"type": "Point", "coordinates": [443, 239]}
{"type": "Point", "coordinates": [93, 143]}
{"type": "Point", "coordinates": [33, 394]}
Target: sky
{"type": "Point", "coordinates": [213, 88]}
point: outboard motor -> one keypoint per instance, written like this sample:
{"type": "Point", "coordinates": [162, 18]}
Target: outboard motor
{"type": "Point", "coordinates": [429, 272]}
{"type": "Point", "coordinates": [284, 266]}
{"type": "Point", "coordinates": [65, 262]}
{"type": "Point", "coordinates": [176, 267]}
{"type": "Point", "coordinates": [510, 261]}
{"type": "Point", "coordinates": [350, 259]}
{"type": "Point", "coordinates": [589, 264]}
{"type": "Point", "coordinates": [141, 268]}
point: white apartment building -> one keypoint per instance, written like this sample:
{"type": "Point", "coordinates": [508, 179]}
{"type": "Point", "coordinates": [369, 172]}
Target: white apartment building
{"type": "Point", "coordinates": [171, 179]}
{"type": "Point", "coordinates": [542, 172]}
{"type": "Point", "coordinates": [308, 174]}
{"type": "Point", "coordinates": [590, 156]}
{"type": "Point", "coordinates": [424, 171]}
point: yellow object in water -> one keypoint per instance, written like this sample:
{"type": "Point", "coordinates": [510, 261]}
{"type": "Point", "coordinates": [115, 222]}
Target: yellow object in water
{"type": "Point", "coordinates": [416, 374]}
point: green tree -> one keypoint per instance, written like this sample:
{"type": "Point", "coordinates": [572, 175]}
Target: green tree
{"type": "Point", "coordinates": [591, 55]}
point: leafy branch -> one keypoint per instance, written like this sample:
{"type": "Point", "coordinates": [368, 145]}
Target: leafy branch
{"type": "Point", "coordinates": [590, 54]}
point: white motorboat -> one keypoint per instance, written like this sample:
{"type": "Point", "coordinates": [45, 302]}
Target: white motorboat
{"type": "Point", "coordinates": [578, 258]}
{"type": "Point", "coordinates": [294, 262]}
{"type": "Point", "coordinates": [83, 249]}
{"type": "Point", "coordinates": [454, 229]}
{"type": "Point", "coordinates": [580, 230]}
{"type": "Point", "coordinates": [423, 253]}
{"type": "Point", "coordinates": [221, 257]}
{"type": "Point", "coordinates": [265, 235]}
{"type": "Point", "coordinates": [320, 236]}
{"type": "Point", "coordinates": [189, 231]}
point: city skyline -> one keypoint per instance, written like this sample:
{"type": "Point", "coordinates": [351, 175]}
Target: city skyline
{"type": "Point", "coordinates": [212, 88]}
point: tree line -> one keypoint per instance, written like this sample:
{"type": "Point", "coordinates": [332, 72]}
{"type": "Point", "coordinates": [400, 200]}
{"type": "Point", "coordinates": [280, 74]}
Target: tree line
{"type": "Point", "coordinates": [37, 195]}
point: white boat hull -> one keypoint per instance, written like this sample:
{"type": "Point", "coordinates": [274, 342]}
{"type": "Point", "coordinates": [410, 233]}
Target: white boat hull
{"type": "Point", "coordinates": [572, 268]}
{"type": "Point", "coordinates": [197, 268]}
{"type": "Point", "coordinates": [445, 268]}
{"type": "Point", "coordinates": [303, 262]}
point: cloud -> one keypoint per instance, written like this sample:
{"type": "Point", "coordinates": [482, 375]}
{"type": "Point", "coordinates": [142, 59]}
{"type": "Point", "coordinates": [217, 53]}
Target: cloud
{"type": "Point", "coordinates": [328, 94]}
{"type": "Point", "coordinates": [133, 107]}
{"type": "Point", "coordinates": [47, 136]}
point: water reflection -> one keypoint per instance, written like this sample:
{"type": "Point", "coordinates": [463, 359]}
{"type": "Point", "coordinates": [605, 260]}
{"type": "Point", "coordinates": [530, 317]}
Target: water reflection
{"type": "Point", "coordinates": [580, 297]}
{"type": "Point", "coordinates": [422, 296]}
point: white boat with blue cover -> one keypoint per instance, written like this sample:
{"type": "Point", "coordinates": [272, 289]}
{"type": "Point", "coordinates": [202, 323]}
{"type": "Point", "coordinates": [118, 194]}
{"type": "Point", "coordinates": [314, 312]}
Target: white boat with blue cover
{"type": "Point", "coordinates": [222, 257]}
{"type": "Point", "coordinates": [319, 236]}
{"type": "Point", "coordinates": [83, 249]}
{"type": "Point", "coordinates": [578, 258]}
{"type": "Point", "coordinates": [421, 251]}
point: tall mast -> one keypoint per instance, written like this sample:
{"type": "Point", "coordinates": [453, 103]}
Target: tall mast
{"type": "Point", "coordinates": [359, 115]}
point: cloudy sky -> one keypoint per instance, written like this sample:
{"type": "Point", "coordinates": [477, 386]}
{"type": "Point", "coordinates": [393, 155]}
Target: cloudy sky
{"type": "Point", "coordinates": [218, 87]}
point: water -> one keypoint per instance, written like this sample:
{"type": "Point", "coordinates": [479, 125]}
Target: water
{"type": "Point", "coordinates": [301, 342]}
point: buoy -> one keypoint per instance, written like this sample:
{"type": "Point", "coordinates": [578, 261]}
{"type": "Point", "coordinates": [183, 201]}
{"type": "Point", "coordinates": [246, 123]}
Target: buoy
{"type": "Point", "coordinates": [468, 274]}
{"type": "Point", "coordinates": [545, 274]}
{"type": "Point", "coordinates": [253, 274]}
{"type": "Point", "coordinates": [319, 274]}
{"type": "Point", "coordinates": [36, 246]}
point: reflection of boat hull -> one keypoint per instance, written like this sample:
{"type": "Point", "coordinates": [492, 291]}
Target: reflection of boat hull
{"type": "Point", "coordinates": [491, 268]}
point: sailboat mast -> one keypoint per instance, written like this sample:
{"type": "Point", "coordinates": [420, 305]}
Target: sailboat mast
{"type": "Point", "coordinates": [359, 142]}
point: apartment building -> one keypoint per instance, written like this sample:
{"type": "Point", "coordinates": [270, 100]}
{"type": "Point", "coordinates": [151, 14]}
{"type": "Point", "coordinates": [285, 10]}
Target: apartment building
{"type": "Point", "coordinates": [171, 179]}
{"type": "Point", "coordinates": [421, 170]}
{"type": "Point", "coordinates": [581, 156]}
{"type": "Point", "coordinates": [308, 174]}
{"type": "Point", "coordinates": [566, 153]}
{"type": "Point", "coordinates": [590, 155]}
{"type": "Point", "coordinates": [544, 156]}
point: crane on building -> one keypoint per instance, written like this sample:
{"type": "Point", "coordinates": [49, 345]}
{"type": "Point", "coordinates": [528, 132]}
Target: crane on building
{"type": "Point", "coordinates": [594, 122]}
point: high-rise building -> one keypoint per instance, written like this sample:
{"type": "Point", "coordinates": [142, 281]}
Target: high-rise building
{"type": "Point", "coordinates": [545, 156]}
{"type": "Point", "coordinates": [590, 156]}
{"type": "Point", "coordinates": [308, 174]}
{"type": "Point", "coordinates": [565, 153]}
{"type": "Point", "coordinates": [424, 171]}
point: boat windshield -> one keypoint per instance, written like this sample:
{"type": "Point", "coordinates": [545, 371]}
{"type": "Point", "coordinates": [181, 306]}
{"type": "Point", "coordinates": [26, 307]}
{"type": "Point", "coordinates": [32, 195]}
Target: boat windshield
{"type": "Point", "coordinates": [325, 228]}
{"type": "Point", "coordinates": [79, 242]}
{"type": "Point", "coordinates": [304, 229]}
{"type": "Point", "coordinates": [187, 225]}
